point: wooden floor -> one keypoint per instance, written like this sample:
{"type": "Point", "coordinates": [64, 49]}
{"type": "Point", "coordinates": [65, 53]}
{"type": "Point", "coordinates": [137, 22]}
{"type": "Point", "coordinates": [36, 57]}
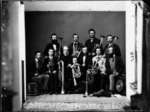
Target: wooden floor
{"type": "Point", "coordinates": [75, 102]}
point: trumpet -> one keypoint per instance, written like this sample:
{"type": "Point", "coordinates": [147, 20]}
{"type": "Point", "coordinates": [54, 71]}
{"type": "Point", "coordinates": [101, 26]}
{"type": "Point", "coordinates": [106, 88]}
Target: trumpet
{"type": "Point", "coordinates": [76, 73]}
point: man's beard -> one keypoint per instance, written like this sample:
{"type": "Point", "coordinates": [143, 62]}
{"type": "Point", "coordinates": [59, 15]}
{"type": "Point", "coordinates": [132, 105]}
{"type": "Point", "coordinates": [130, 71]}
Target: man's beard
{"type": "Point", "coordinates": [110, 55]}
{"type": "Point", "coordinates": [76, 41]}
{"type": "Point", "coordinates": [54, 41]}
{"type": "Point", "coordinates": [92, 36]}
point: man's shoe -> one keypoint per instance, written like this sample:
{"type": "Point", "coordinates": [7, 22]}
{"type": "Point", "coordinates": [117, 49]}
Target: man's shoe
{"type": "Point", "coordinates": [99, 93]}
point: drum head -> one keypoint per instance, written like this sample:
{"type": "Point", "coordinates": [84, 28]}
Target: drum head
{"type": "Point", "coordinates": [119, 85]}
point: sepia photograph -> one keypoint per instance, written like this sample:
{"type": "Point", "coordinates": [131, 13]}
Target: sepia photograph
{"type": "Point", "coordinates": [76, 56]}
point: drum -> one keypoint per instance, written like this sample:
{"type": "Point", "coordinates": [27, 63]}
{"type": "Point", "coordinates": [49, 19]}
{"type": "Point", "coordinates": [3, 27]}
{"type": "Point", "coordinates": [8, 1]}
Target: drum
{"type": "Point", "coordinates": [120, 85]}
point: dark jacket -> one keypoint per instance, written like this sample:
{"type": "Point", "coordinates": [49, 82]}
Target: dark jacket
{"type": "Point", "coordinates": [116, 49]}
{"type": "Point", "coordinates": [66, 59]}
{"type": "Point", "coordinates": [53, 65]}
{"type": "Point", "coordinates": [79, 46]}
{"type": "Point", "coordinates": [67, 71]}
{"type": "Point", "coordinates": [92, 45]}
{"type": "Point", "coordinates": [50, 46]}
{"type": "Point", "coordinates": [88, 61]}
{"type": "Point", "coordinates": [120, 68]}
{"type": "Point", "coordinates": [36, 68]}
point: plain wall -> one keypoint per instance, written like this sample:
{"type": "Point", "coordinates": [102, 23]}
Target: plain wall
{"type": "Point", "coordinates": [14, 47]}
{"type": "Point", "coordinates": [39, 26]}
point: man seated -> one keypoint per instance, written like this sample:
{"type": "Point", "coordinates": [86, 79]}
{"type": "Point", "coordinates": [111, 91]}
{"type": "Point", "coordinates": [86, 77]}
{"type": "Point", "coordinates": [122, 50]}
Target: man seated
{"type": "Point", "coordinates": [51, 68]}
{"type": "Point", "coordinates": [115, 67]}
{"type": "Point", "coordinates": [85, 62]}
{"type": "Point", "coordinates": [37, 71]}
{"type": "Point", "coordinates": [66, 58]}
{"type": "Point", "coordinates": [101, 77]}
{"type": "Point", "coordinates": [76, 75]}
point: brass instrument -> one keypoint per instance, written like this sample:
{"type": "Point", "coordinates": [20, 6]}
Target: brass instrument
{"type": "Point", "coordinates": [114, 57]}
{"type": "Point", "coordinates": [101, 65]}
{"type": "Point", "coordinates": [50, 66]}
{"type": "Point", "coordinates": [76, 73]}
{"type": "Point", "coordinates": [61, 75]}
{"type": "Point", "coordinates": [95, 67]}
{"type": "Point", "coordinates": [101, 40]}
{"type": "Point", "coordinates": [76, 51]}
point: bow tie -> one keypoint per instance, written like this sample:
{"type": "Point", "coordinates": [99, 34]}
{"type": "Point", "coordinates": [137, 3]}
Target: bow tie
{"type": "Point", "coordinates": [75, 43]}
{"type": "Point", "coordinates": [98, 58]}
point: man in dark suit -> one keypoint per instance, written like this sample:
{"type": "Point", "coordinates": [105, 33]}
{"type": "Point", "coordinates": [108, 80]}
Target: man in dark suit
{"type": "Point", "coordinates": [51, 68]}
{"type": "Point", "coordinates": [37, 72]}
{"type": "Point", "coordinates": [75, 46]}
{"type": "Point", "coordinates": [85, 61]}
{"type": "Point", "coordinates": [116, 48]}
{"type": "Point", "coordinates": [115, 67]}
{"type": "Point", "coordinates": [66, 58]}
{"type": "Point", "coordinates": [92, 43]}
{"type": "Point", "coordinates": [53, 44]}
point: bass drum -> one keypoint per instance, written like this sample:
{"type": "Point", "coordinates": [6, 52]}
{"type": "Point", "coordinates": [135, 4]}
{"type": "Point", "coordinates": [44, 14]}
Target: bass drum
{"type": "Point", "coordinates": [120, 85]}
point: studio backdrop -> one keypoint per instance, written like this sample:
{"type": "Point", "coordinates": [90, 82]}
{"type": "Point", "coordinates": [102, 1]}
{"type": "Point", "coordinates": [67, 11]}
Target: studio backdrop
{"type": "Point", "coordinates": [39, 26]}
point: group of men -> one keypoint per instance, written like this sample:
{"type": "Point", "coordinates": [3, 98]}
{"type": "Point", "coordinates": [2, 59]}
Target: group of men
{"type": "Point", "coordinates": [91, 63]}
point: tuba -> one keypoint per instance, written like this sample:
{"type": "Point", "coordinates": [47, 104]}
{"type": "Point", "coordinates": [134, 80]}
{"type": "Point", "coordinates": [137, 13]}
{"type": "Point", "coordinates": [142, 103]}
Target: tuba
{"type": "Point", "coordinates": [76, 73]}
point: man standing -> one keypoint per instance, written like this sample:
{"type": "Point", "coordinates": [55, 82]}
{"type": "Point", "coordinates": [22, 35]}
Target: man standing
{"type": "Point", "coordinates": [92, 43]}
{"type": "Point", "coordinates": [116, 48]}
{"type": "Point", "coordinates": [53, 44]}
{"type": "Point", "coordinates": [75, 46]}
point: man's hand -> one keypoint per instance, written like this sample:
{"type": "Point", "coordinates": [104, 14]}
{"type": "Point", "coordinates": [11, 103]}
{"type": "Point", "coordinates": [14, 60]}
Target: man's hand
{"type": "Point", "coordinates": [47, 65]}
{"type": "Point", "coordinates": [116, 73]}
{"type": "Point", "coordinates": [69, 65]}
{"type": "Point", "coordinates": [83, 65]}
{"type": "Point", "coordinates": [93, 54]}
{"type": "Point", "coordinates": [54, 72]}
{"type": "Point", "coordinates": [36, 74]}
